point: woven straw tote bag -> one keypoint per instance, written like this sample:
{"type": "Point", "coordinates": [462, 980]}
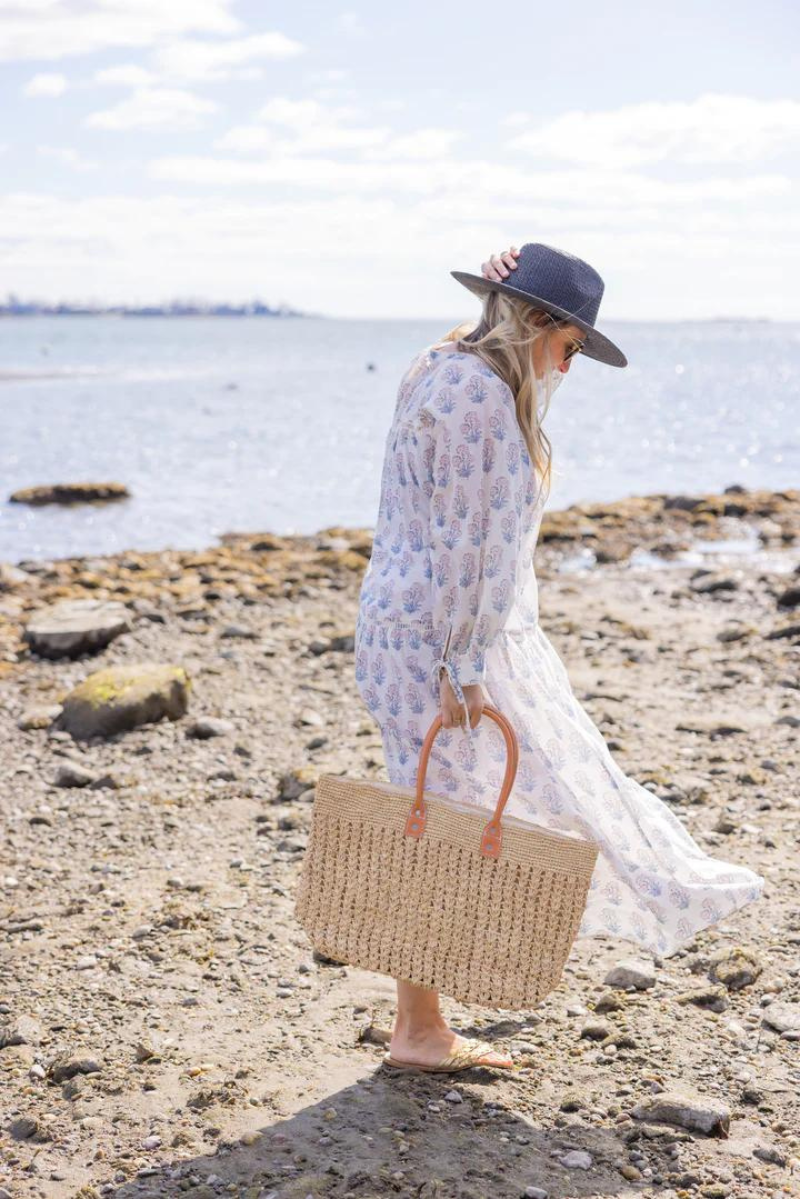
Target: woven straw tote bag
{"type": "Point", "coordinates": [421, 887]}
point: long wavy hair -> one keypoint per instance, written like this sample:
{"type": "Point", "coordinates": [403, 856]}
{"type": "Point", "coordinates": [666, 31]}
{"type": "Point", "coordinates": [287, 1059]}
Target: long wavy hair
{"type": "Point", "coordinates": [504, 337]}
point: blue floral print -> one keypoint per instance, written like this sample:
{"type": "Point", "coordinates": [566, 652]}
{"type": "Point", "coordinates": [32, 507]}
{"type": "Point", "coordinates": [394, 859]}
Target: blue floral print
{"type": "Point", "coordinates": [450, 586]}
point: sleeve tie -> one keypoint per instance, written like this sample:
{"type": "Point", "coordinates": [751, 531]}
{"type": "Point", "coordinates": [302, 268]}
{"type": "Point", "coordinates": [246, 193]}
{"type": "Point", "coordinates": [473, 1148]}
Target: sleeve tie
{"type": "Point", "coordinates": [452, 675]}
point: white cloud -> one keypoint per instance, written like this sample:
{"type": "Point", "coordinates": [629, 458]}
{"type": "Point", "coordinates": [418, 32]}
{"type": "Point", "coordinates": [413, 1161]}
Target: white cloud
{"type": "Point", "coordinates": [248, 139]}
{"type": "Point", "coordinates": [125, 75]}
{"type": "Point", "coordinates": [68, 156]}
{"type": "Point", "coordinates": [46, 85]}
{"type": "Point", "coordinates": [483, 181]}
{"type": "Point", "coordinates": [714, 128]}
{"type": "Point", "coordinates": [154, 107]}
{"type": "Point", "coordinates": [331, 75]}
{"type": "Point", "coordinates": [53, 29]}
{"type": "Point", "coordinates": [296, 127]}
{"type": "Point", "coordinates": [210, 60]}
{"type": "Point", "coordinates": [304, 127]}
{"type": "Point", "coordinates": [422, 143]}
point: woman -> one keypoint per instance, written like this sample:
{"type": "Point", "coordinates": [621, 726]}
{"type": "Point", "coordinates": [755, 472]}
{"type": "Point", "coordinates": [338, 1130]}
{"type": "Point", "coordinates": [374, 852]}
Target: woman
{"type": "Point", "coordinates": [448, 616]}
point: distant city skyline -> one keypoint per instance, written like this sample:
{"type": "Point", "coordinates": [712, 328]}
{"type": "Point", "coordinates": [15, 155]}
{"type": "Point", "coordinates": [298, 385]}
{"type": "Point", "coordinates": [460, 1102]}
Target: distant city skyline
{"type": "Point", "coordinates": [344, 161]}
{"type": "Point", "coordinates": [17, 306]}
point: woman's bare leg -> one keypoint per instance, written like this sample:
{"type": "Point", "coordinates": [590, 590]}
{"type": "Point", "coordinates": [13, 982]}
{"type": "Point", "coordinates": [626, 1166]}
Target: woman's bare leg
{"type": "Point", "coordinates": [421, 1033]}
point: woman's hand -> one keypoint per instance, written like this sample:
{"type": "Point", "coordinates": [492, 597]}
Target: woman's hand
{"type": "Point", "coordinates": [452, 713]}
{"type": "Point", "coordinates": [499, 266]}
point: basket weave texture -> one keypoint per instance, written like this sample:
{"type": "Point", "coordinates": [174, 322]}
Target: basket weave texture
{"type": "Point", "coordinates": [432, 906]}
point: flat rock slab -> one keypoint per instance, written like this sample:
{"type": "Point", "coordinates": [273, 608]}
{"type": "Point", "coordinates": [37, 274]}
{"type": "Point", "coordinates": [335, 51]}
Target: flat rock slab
{"type": "Point", "coordinates": [702, 1113]}
{"type": "Point", "coordinates": [122, 697]}
{"type": "Point", "coordinates": [74, 627]}
{"type": "Point", "coordinates": [69, 493]}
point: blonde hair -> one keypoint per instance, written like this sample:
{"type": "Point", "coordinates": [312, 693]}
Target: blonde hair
{"type": "Point", "coordinates": [504, 338]}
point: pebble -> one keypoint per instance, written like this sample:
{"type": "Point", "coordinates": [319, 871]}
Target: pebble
{"type": "Point", "coordinates": [23, 1128]}
{"type": "Point", "coordinates": [770, 1154]}
{"type": "Point", "coordinates": [596, 1030]}
{"type": "Point", "coordinates": [453, 1096]}
{"type": "Point", "coordinates": [39, 718]}
{"type": "Point", "coordinates": [577, 1158]}
{"type": "Point", "coordinates": [65, 1066]}
{"type": "Point", "coordinates": [209, 727]}
{"type": "Point", "coordinates": [70, 773]}
{"type": "Point", "coordinates": [610, 1002]}
{"type": "Point", "coordinates": [714, 998]}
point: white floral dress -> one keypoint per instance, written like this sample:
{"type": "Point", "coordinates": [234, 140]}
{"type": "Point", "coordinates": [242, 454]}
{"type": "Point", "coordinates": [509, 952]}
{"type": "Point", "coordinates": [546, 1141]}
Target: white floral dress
{"type": "Point", "coordinates": [450, 584]}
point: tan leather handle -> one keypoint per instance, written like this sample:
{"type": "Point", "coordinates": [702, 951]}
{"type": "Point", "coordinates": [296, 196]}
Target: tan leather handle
{"type": "Point", "coordinates": [493, 833]}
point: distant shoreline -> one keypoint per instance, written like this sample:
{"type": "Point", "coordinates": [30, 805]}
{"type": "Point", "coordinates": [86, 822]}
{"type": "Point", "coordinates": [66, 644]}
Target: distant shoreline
{"type": "Point", "coordinates": [254, 309]}
{"type": "Point", "coordinates": [244, 310]}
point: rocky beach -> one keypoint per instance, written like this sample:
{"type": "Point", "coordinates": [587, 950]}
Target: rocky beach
{"type": "Point", "coordinates": [166, 1028]}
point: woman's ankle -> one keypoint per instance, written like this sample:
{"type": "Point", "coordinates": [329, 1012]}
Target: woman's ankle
{"type": "Point", "coordinates": [418, 1027]}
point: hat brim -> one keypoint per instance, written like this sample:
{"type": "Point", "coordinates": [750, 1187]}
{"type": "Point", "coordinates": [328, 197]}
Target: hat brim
{"type": "Point", "coordinates": [596, 345]}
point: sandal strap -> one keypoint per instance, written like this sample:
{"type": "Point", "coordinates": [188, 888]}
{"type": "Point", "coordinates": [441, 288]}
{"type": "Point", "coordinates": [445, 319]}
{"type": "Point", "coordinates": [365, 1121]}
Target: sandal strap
{"type": "Point", "coordinates": [472, 1051]}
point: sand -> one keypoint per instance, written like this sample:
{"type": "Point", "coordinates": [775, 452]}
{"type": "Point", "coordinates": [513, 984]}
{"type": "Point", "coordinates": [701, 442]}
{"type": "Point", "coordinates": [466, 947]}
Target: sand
{"type": "Point", "coordinates": [170, 1030]}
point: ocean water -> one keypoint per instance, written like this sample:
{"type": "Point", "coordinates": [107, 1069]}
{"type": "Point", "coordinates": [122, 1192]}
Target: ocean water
{"type": "Point", "coordinates": [256, 424]}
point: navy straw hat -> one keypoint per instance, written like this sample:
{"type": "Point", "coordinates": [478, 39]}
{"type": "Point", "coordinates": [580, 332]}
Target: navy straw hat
{"type": "Point", "coordinates": [563, 285]}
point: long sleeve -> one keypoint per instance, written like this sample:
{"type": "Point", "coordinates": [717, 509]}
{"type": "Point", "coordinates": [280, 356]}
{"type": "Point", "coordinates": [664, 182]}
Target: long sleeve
{"type": "Point", "coordinates": [478, 471]}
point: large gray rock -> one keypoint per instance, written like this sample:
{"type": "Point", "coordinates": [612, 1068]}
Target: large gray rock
{"type": "Point", "coordinates": [703, 1113]}
{"type": "Point", "coordinates": [74, 627]}
{"type": "Point", "coordinates": [631, 972]}
{"type": "Point", "coordinates": [122, 697]}
{"type": "Point", "coordinates": [783, 1016]}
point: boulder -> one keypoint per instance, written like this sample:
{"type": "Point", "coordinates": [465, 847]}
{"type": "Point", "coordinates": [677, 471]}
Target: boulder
{"type": "Point", "coordinates": [122, 697]}
{"type": "Point", "coordinates": [74, 627]}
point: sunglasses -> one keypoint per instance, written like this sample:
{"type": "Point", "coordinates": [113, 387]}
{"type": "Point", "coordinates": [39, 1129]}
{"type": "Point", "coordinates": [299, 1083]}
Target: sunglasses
{"type": "Point", "coordinates": [575, 346]}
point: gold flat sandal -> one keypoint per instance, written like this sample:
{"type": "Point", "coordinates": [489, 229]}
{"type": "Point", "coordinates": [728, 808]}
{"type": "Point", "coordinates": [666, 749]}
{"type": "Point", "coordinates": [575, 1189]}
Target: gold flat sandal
{"type": "Point", "coordinates": [462, 1058]}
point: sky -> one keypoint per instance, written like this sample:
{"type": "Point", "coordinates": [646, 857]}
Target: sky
{"type": "Point", "coordinates": [345, 160]}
